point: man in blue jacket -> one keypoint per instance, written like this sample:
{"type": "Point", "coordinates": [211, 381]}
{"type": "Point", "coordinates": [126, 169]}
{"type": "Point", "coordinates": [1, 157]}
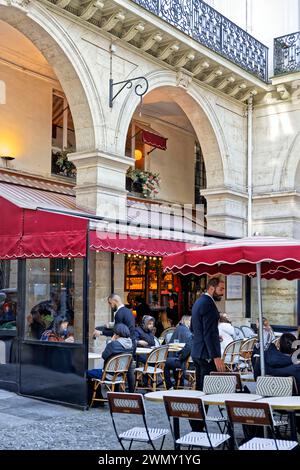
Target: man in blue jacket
{"type": "Point", "coordinates": [206, 351]}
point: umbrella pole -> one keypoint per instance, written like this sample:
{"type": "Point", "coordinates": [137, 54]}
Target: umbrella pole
{"type": "Point", "coordinates": [260, 316]}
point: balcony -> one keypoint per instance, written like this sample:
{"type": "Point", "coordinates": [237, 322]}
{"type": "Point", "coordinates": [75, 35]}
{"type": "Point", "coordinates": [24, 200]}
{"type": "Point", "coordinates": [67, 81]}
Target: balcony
{"type": "Point", "coordinates": [287, 54]}
{"type": "Point", "coordinates": [213, 30]}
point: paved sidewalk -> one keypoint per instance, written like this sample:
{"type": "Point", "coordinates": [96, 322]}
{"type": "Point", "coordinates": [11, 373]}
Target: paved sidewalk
{"type": "Point", "coordinates": [26, 423]}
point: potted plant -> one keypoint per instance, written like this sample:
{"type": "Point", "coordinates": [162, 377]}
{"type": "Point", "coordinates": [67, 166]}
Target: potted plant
{"type": "Point", "coordinates": [63, 166]}
{"type": "Point", "coordinates": [144, 182]}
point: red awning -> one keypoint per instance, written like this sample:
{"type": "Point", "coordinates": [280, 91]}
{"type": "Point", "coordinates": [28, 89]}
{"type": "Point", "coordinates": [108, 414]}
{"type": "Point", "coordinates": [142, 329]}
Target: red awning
{"type": "Point", "coordinates": [120, 243]}
{"type": "Point", "coordinates": [279, 258]}
{"type": "Point", "coordinates": [27, 233]}
{"type": "Point", "coordinates": [152, 138]}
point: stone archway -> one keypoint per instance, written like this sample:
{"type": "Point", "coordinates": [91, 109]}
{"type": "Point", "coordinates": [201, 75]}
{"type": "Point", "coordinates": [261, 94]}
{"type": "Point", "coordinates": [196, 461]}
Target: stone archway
{"type": "Point", "coordinates": [37, 24]}
{"type": "Point", "coordinates": [201, 116]}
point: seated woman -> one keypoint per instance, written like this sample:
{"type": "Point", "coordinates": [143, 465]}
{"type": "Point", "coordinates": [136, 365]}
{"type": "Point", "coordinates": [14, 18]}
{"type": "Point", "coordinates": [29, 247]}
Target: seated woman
{"type": "Point", "coordinates": [279, 363]}
{"type": "Point", "coordinates": [59, 331]}
{"type": "Point", "coordinates": [40, 319]}
{"type": "Point", "coordinates": [120, 343]}
{"type": "Point", "coordinates": [182, 332]}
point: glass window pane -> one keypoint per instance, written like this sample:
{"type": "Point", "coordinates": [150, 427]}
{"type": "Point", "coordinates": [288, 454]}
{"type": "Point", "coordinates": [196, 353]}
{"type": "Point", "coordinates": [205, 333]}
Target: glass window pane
{"type": "Point", "coordinates": [8, 294]}
{"type": "Point", "coordinates": [54, 300]}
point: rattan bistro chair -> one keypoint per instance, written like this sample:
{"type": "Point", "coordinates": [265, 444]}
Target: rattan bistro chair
{"type": "Point", "coordinates": [133, 403]}
{"type": "Point", "coordinates": [152, 370]}
{"type": "Point", "coordinates": [231, 355]}
{"type": "Point", "coordinates": [193, 409]}
{"type": "Point", "coordinates": [114, 373]}
{"type": "Point", "coordinates": [255, 414]}
{"type": "Point", "coordinates": [166, 335]}
{"type": "Point", "coordinates": [246, 353]}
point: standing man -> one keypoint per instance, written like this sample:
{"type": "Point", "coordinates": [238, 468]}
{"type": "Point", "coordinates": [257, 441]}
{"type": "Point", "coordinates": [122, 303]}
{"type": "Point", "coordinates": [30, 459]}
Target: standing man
{"type": "Point", "coordinates": [206, 351]}
{"type": "Point", "coordinates": [122, 315]}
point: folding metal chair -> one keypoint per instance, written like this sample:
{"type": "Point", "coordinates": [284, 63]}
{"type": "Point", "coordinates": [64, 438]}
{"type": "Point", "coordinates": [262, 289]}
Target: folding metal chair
{"type": "Point", "coordinates": [237, 375]}
{"type": "Point", "coordinates": [114, 373]}
{"type": "Point", "coordinates": [133, 403]}
{"type": "Point", "coordinates": [270, 386]}
{"type": "Point", "coordinates": [153, 369]}
{"type": "Point", "coordinates": [191, 408]}
{"type": "Point", "coordinates": [255, 414]}
{"type": "Point", "coordinates": [219, 384]}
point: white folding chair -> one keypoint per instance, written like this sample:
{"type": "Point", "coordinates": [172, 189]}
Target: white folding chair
{"type": "Point", "coordinates": [133, 403]}
{"type": "Point", "coordinates": [192, 409]}
{"type": "Point", "coordinates": [255, 414]}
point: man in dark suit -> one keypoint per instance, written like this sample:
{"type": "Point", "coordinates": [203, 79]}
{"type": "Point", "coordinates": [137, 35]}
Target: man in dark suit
{"type": "Point", "coordinates": [206, 351]}
{"type": "Point", "coordinates": [122, 315]}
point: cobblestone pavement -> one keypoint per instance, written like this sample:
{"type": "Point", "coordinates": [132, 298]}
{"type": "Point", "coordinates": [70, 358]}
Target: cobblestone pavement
{"type": "Point", "coordinates": [26, 423]}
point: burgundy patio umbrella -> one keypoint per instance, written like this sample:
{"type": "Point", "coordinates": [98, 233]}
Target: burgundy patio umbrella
{"type": "Point", "coordinates": [263, 257]}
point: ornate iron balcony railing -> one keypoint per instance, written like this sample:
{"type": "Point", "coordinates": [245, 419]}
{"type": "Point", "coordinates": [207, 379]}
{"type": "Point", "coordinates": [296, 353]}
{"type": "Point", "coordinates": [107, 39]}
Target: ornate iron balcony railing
{"type": "Point", "coordinates": [207, 26]}
{"type": "Point", "coordinates": [287, 53]}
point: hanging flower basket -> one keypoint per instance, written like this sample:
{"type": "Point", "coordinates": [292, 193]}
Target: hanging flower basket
{"type": "Point", "coordinates": [144, 182]}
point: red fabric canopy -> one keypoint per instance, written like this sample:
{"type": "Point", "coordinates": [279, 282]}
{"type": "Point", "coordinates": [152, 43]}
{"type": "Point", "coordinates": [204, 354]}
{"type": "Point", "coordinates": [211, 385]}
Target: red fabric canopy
{"type": "Point", "coordinates": [279, 258]}
{"type": "Point", "coordinates": [26, 233]}
{"type": "Point", "coordinates": [155, 140]}
{"type": "Point", "coordinates": [120, 243]}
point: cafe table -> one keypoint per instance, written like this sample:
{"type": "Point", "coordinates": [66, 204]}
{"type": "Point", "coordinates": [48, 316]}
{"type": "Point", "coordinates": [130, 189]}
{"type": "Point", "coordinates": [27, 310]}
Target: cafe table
{"type": "Point", "coordinates": [220, 398]}
{"type": "Point", "coordinates": [94, 360]}
{"type": "Point", "coordinates": [288, 404]}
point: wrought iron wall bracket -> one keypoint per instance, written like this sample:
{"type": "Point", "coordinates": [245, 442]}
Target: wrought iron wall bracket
{"type": "Point", "coordinates": [140, 88]}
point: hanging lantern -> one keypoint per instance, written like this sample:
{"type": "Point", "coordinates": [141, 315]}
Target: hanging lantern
{"type": "Point", "coordinates": [138, 154]}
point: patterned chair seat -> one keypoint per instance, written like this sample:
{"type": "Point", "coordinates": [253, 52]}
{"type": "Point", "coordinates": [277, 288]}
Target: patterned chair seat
{"type": "Point", "coordinates": [200, 439]}
{"type": "Point", "coordinates": [140, 434]}
{"type": "Point", "coordinates": [281, 422]}
{"type": "Point", "coordinates": [259, 443]}
{"type": "Point", "coordinates": [150, 370]}
{"type": "Point", "coordinates": [216, 419]}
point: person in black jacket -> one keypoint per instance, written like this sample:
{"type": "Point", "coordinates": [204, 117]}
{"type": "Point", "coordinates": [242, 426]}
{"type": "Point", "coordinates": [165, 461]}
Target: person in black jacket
{"type": "Point", "coordinates": [177, 362]}
{"type": "Point", "coordinates": [144, 333]}
{"type": "Point", "coordinates": [206, 351]}
{"type": "Point", "coordinates": [279, 363]}
{"type": "Point", "coordinates": [182, 332]}
{"type": "Point", "coordinates": [145, 337]}
{"type": "Point", "coordinates": [122, 315]}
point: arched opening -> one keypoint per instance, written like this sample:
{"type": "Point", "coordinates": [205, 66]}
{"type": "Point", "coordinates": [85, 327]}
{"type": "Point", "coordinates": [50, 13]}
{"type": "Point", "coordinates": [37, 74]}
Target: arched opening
{"type": "Point", "coordinates": [53, 59]}
{"type": "Point", "coordinates": [167, 137]}
{"type": "Point", "coordinates": [180, 164]}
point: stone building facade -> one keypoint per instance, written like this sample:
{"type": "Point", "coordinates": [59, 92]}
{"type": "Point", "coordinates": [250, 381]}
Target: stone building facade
{"type": "Point", "coordinates": [195, 95]}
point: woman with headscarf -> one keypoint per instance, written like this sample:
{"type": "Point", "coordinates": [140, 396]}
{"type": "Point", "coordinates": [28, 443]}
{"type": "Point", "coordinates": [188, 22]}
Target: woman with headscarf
{"type": "Point", "coordinates": [144, 333]}
{"type": "Point", "coordinates": [145, 337]}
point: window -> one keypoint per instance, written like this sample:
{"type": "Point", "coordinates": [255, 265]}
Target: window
{"type": "Point", "coordinates": [54, 291]}
{"type": "Point", "coordinates": [8, 297]}
{"type": "Point", "coordinates": [63, 136]}
{"type": "Point", "coordinates": [200, 179]}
